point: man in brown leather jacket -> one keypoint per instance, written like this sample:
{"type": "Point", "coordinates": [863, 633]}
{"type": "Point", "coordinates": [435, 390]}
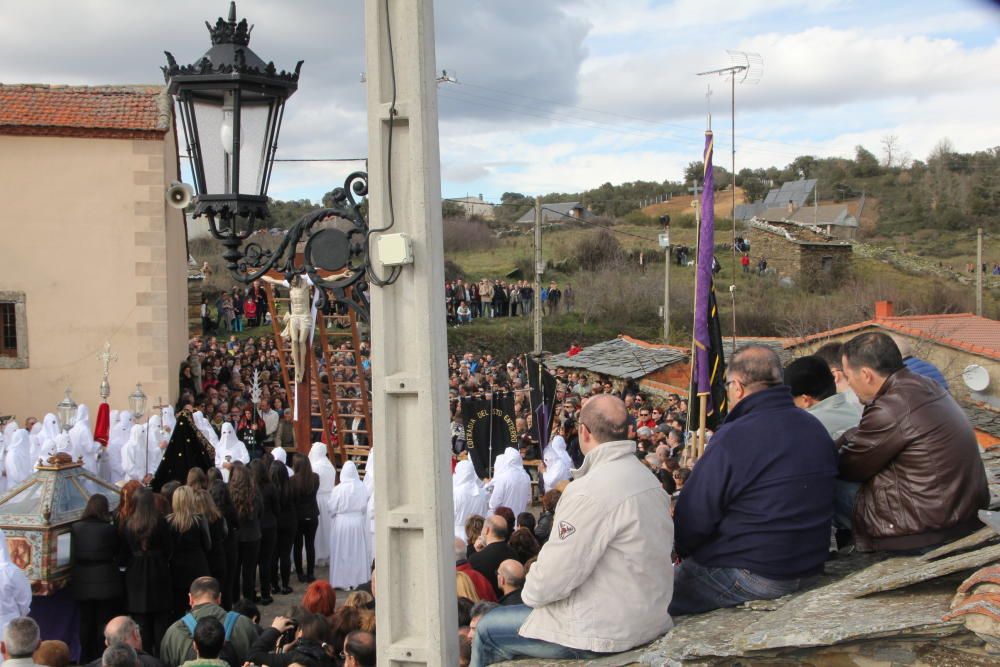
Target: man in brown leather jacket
{"type": "Point", "coordinates": [914, 452]}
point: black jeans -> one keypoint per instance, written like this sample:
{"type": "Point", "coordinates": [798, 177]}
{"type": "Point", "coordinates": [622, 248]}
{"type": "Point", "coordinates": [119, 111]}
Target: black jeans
{"type": "Point", "coordinates": [268, 544]}
{"type": "Point", "coordinates": [152, 627]}
{"type": "Point", "coordinates": [306, 535]}
{"type": "Point", "coordinates": [283, 555]}
{"type": "Point", "coordinates": [94, 615]}
{"type": "Point", "coordinates": [249, 554]}
{"type": "Point", "coordinates": [231, 585]}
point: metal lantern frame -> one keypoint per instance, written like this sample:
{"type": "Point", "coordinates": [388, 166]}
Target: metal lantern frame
{"type": "Point", "coordinates": [66, 411]}
{"type": "Point", "coordinates": [333, 240]}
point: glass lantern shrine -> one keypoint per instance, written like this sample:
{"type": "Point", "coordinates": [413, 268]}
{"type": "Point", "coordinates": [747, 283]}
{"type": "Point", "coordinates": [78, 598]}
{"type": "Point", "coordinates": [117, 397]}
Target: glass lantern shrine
{"type": "Point", "coordinates": [37, 515]}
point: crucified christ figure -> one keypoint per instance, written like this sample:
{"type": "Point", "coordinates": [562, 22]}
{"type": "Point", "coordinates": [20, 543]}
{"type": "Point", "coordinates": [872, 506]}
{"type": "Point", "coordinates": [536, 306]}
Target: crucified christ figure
{"type": "Point", "coordinates": [298, 321]}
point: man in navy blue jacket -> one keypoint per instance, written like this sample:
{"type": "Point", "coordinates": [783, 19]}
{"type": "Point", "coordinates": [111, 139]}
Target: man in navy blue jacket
{"type": "Point", "coordinates": [753, 520]}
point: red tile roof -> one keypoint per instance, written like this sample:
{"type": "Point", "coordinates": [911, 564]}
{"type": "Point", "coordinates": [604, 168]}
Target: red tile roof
{"type": "Point", "coordinates": [126, 112]}
{"type": "Point", "coordinates": [963, 331]}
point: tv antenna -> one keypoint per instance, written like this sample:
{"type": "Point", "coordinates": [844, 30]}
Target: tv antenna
{"type": "Point", "coordinates": [744, 67]}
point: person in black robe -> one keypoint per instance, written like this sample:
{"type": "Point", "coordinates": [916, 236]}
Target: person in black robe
{"type": "Point", "coordinates": [187, 449]}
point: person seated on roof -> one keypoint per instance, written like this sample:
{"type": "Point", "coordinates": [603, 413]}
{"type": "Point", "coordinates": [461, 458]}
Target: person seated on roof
{"type": "Point", "coordinates": [914, 453]}
{"type": "Point", "coordinates": [753, 519]}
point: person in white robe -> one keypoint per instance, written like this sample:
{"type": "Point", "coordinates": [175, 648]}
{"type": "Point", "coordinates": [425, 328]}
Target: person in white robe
{"type": "Point", "coordinates": [17, 461]}
{"type": "Point", "coordinates": [369, 481]}
{"type": "Point", "coordinates": [9, 429]}
{"type": "Point", "coordinates": [205, 428]}
{"type": "Point", "coordinates": [63, 444]}
{"type": "Point", "coordinates": [350, 551]}
{"type": "Point", "coordinates": [47, 437]}
{"type": "Point", "coordinates": [158, 440]}
{"type": "Point", "coordinates": [511, 485]}
{"type": "Point", "coordinates": [320, 462]}
{"type": "Point", "coordinates": [558, 445]}
{"type": "Point", "coordinates": [169, 420]}
{"type": "Point", "coordinates": [280, 455]}
{"type": "Point", "coordinates": [110, 467]}
{"type": "Point", "coordinates": [555, 469]}
{"type": "Point", "coordinates": [134, 454]}
{"type": "Point", "coordinates": [15, 589]}
{"type": "Point", "coordinates": [230, 450]}
{"type": "Point", "coordinates": [84, 447]}
{"type": "Point", "coordinates": [468, 494]}
{"type": "Point", "coordinates": [35, 438]}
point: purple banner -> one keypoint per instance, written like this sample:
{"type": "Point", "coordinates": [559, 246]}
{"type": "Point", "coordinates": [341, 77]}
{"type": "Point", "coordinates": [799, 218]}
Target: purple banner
{"type": "Point", "coordinates": [703, 280]}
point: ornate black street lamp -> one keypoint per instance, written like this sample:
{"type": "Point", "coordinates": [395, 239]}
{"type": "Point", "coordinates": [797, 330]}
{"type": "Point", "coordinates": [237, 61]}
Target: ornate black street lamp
{"type": "Point", "coordinates": [231, 105]}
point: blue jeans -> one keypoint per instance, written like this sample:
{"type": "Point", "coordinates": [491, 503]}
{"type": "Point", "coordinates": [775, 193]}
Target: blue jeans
{"type": "Point", "coordinates": [698, 589]}
{"type": "Point", "coordinates": [497, 640]}
{"type": "Point", "coordinates": [844, 496]}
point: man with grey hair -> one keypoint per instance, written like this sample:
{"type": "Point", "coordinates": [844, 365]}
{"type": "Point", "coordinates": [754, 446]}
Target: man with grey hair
{"type": "Point", "coordinates": [124, 630]}
{"type": "Point", "coordinates": [20, 639]}
{"type": "Point", "coordinates": [754, 517]}
{"type": "Point", "coordinates": [609, 554]}
{"type": "Point", "coordinates": [120, 655]}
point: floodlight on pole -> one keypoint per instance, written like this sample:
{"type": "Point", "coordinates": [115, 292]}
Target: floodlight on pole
{"type": "Point", "coordinates": [745, 67]}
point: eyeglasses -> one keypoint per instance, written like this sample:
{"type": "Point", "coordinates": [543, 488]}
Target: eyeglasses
{"type": "Point", "coordinates": [643, 414]}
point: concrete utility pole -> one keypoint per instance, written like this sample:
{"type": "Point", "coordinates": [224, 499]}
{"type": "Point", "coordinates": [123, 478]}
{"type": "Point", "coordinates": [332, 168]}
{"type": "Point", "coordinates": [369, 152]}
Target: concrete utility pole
{"type": "Point", "coordinates": [539, 267]}
{"type": "Point", "coordinates": [415, 576]}
{"type": "Point", "coordinates": [979, 272]}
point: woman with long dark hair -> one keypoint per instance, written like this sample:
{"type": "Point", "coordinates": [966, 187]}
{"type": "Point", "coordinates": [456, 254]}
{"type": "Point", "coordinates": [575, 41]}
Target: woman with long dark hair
{"type": "Point", "coordinates": [96, 582]}
{"type": "Point", "coordinates": [305, 484]}
{"type": "Point", "coordinates": [268, 528]}
{"type": "Point", "coordinates": [287, 524]}
{"type": "Point", "coordinates": [147, 573]}
{"type": "Point", "coordinates": [220, 496]}
{"type": "Point", "coordinates": [249, 506]}
{"type": "Point", "coordinates": [192, 543]}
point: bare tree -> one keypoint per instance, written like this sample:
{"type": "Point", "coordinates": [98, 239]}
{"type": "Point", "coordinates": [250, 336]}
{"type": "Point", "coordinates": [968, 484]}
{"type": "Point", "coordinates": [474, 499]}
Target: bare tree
{"type": "Point", "coordinates": [890, 151]}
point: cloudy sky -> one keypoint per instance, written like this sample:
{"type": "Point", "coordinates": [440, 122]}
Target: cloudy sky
{"type": "Point", "coordinates": [563, 95]}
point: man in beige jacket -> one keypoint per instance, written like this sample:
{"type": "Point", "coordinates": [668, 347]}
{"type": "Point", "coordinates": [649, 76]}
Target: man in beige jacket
{"type": "Point", "coordinates": [602, 583]}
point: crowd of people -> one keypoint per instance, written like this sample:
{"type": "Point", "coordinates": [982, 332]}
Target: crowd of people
{"type": "Point", "coordinates": [242, 306]}
{"type": "Point", "coordinates": [858, 446]}
{"type": "Point", "coordinates": [467, 301]}
{"type": "Point", "coordinates": [828, 453]}
{"type": "Point", "coordinates": [241, 526]}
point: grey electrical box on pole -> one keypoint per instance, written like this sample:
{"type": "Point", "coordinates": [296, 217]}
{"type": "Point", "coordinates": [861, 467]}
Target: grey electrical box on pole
{"type": "Point", "coordinates": [415, 573]}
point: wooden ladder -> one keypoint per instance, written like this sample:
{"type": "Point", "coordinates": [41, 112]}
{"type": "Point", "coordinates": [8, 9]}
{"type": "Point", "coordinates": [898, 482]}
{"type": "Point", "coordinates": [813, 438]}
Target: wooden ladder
{"type": "Point", "coordinates": [337, 341]}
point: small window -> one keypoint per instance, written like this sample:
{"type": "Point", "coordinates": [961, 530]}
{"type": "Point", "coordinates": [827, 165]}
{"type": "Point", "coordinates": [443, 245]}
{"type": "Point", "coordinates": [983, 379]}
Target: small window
{"type": "Point", "coordinates": [13, 331]}
{"type": "Point", "coordinates": [8, 330]}
{"type": "Point", "coordinates": [827, 265]}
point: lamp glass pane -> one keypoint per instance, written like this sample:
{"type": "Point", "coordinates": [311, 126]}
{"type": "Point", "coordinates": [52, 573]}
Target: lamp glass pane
{"type": "Point", "coordinates": [215, 161]}
{"type": "Point", "coordinates": [252, 152]}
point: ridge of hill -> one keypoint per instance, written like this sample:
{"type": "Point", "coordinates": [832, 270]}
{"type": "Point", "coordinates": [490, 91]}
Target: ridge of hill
{"type": "Point", "coordinates": [681, 204]}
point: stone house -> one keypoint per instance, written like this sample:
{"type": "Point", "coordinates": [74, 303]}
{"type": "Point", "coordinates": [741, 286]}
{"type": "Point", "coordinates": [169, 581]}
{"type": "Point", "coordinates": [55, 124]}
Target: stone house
{"type": "Point", "coordinates": [93, 253]}
{"type": "Point", "coordinates": [802, 253]}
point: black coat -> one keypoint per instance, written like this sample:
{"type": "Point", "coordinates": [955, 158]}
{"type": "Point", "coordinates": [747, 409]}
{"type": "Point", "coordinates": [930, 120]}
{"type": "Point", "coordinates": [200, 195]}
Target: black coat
{"type": "Point", "coordinates": [95, 547]}
{"type": "Point", "coordinates": [249, 526]}
{"type": "Point", "coordinates": [217, 555]}
{"type": "Point", "coordinates": [307, 652]}
{"type": "Point", "coordinates": [190, 554]}
{"type": "Point", "coordinates": [305, 501]}
{"type": "Point", "coordinates": [488, 560]}
{"type": "Point", "coordinates": [270, 507]}
{"type": "Point", "coordinates": [147, 576]}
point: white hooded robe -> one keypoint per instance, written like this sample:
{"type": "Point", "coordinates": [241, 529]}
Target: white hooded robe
{"type": "Point", "coordinates": [231, 446]}
{"type": "Point", "coordinates": [15, 589]}
{"type": "Point", "coordinates": [83, 444]}
{"type": "Point", "coordinates": [17, 461]}
{"type": "Point", "coordinates": [350, 551]}
{"type": "Point", "coordinates": [134, 455]}
{"type": "Point", "coordinates": [321, 465]}
{"type": "Point", "coordinates": [511, 483]}
{"type": "Point", "coordinates": [468, 495]}
{"type": "Point", "coordinates": [111, 463]}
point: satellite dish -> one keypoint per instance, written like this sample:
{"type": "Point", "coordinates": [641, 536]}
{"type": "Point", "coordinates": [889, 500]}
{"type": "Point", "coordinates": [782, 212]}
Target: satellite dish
{"type": "Point", "coordinates": [976, 377]}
